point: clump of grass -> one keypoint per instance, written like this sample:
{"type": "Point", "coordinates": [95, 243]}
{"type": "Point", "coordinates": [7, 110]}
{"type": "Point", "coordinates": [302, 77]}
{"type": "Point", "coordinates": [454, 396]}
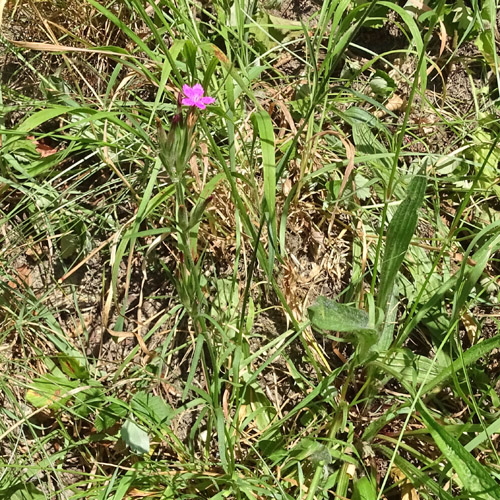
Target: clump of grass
{"type": "Point", "coordinates": [291, 293]}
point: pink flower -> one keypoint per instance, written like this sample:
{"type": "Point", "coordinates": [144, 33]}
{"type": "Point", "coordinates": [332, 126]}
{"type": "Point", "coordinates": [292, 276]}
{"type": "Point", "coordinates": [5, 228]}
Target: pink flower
{"type": "Point", "coordinates": [194, 96]}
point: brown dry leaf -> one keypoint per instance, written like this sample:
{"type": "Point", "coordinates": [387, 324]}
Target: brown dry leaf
{"type": "Point", "coordinates": [351, 470]}
{"type": "Point", "coordinates": [50, 47]}
{"type": "Point", "coordinates": [130, 335]}
{"type": "Point", "coordinates": [34, 249]}
{"type": "Point", "coordinates": [290, 277]}
{"type": "Point", "coordinates": [286, 113]}
{"type": "Point", "coordinates": [315, 271]}
{"type": "Point", "coordinates": [135, 493]}
{"type": "Point", "coordinates": [287, 187]}
{"type": "Point", "coordinates": [444, 37]}
{"type": "Point", "coordinates": [225, 403]}
{"type": "Point", "coordinates": [470, 326]}
{"type": "Point", "coordinates": [350, 152]}
{"type": "Point", "coordinates": [193, 163]}
{"type": "Point", "coordinates": [43, 149]}
{"type": "Point", "coordinates": [420, 5]}
{"type": "Point", "coordinates": [120, 335]}
{"type": "Point", "coordinates": [395, 103]}
{"type": "Point", "coordinates": [408, 492]}
{"type": "Point", "coordinates": [2, 7]}
{"type": "Point", "coordinates": [283, 59]}
{"type": "Point", "coordinates": [317, 236]}
{"type": "Point", "coordinates": [23, 278]}
{"type": "Point", "coordinates": [170, 389]}
{"type": "Point", "coordinates": [220, 55]}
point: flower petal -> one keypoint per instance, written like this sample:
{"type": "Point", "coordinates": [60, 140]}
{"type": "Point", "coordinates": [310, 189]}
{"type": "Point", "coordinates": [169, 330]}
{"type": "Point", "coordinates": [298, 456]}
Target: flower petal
{"type": "Point", "coordinates": [200, 105]}
{"type": "Point", "coordinates": [186, 90]}
{"type": "Point", "coordinates": [197, 91]}
{"type": "Point", "coordinates": [187, 101]}
{"type": "Point", "coordinates": [207, 100]}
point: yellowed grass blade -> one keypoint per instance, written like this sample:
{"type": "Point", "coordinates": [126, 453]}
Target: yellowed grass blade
{"type": "Point", "coordinates": [54, 47]}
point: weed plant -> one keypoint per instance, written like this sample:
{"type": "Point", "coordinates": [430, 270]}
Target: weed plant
{"type": "Point", "coordinates": [249, 250]}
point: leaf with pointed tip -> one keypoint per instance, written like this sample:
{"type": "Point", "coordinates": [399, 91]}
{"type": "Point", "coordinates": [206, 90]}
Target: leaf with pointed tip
{"type": "Point", "coordinates": [474, 476]}
{"type": "Point", "coordinates": [399, 234]}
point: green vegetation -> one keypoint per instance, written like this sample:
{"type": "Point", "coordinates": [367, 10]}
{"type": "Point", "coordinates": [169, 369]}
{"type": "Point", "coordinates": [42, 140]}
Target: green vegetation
{"type": "Point", "coordinates": [288, 291]}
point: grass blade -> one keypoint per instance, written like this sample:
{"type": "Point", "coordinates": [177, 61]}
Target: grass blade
{"type": "Point", "coordinates": [470, 356]}
{"type": "Point", "coordinates": [416, 475]}
{"type": "Point", "coordinates": [262, 123]}
{"type": "Point", "coordinates": [474, 476]}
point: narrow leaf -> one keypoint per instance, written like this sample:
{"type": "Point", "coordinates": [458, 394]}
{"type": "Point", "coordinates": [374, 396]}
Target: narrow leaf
{"type": "Point", "coordinates": [262, 122]}
{"type": "Point", "coordinates": [470, 356]}
{"type": "Point", "coordinates": [474, 476]}
{"type": "Point", "coordinates": [417, 476]}
{"type": "Point", "coordinates": [399, 234]}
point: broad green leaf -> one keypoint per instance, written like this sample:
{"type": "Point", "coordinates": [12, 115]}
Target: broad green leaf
{"type": "Point", "coordinates": [485, 44]}
{"type": "Point", "coordinates": [475, 477]}
{"type": "Point", "coordinates": [260, 31]}
{"type": "Point", "coordinates": [135, 438]}
{"type": "Point", "coordinates": [412, 370]}
{"type": "Point", "coordinates": [387, 331]}
{"type": "Point", "coordinates": [152, 408]}
{"type": "Point", "coordinates": [409, 368]}
{"type": "Point", "coordinates": [463, 16]}
{"type": "Point", "coordinates": [399, 234]}
{"type": "Point", "coordinates": [263, 412]}
{"type": "Point", "coordinates": [50, 391]}
{"type": "Point", "coordinates": [486, 159]}
{"type": "Point", "coordinates": [364, 489]}
{"type": "Point", "coordinates": [379, 423]}
{"type": "Point", "coordinates": [69, 245]}
{"type": "Point", "coordinates": [309, 448]}
{"type": "Point", "coordinates": [327, 314]}
{"type": "Point", "coordinates": [89, 400]}
{"type": "Point", "coordinates": [107, 417]}
{"type": "Point", "coordinates": [36, 119]}
{"type": "Point", "coordinates": [382, 84]}
{"type": "Point", "coordinates": [362, 187]}
{"type": "Point", "coordinates": [24, 491]}
{"type": "Point", "coordinates": [285, 24]}
{"type": "Point", "coordinates": [366, 142]}
{"type": "Point", "coordinates": [451, 284]}
{"type": "Point", "coordinates": [73, 367]}
{"type": "Point", "coordinates": [468, 282]}
{"type": "Point", "coordinates": [225, 301]}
